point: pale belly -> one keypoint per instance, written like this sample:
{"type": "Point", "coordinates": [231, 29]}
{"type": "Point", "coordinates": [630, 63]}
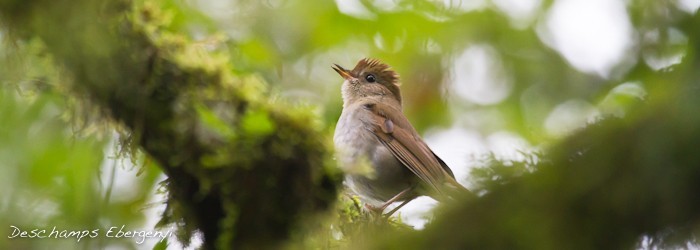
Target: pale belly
{"type": "Point", "coordinates": [358, 147]}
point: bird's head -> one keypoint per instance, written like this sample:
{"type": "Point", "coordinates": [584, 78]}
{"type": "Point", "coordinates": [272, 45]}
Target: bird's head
{"type": "Point", "coordinates": [369, 78]}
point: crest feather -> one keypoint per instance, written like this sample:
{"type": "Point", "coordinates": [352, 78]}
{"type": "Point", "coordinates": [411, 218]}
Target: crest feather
{"type": "Point", "coordinates": [386, 76]}
{"type": "Point", "coordinates": [382, 69]}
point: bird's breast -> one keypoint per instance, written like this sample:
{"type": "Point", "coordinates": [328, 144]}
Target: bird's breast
{"type": "Point", "coordinates": [372, 170]}
{"type": "Point", "coordinates": [353, 140]}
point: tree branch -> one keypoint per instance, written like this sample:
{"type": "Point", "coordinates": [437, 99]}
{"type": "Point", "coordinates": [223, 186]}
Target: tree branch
{"type": "Point", "coordinates": [241, 169]}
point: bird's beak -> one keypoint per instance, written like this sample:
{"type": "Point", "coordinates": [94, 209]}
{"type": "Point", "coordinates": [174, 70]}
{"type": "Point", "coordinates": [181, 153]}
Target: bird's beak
{"type": "Point", "coordinates": [341, 71]}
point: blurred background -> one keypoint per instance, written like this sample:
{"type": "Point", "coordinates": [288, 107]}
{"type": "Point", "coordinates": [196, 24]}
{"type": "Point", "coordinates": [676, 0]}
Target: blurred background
{"type": "Point", "coordinates": [481, 79]}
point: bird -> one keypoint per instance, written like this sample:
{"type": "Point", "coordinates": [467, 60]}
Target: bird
{"type": "Point", "coordinates": [384, 158]}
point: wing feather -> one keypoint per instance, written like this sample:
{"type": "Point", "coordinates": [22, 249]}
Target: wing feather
{"type": "Point", "coordinates": [394, 131]}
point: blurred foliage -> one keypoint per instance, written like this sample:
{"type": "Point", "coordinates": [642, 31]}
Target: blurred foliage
{"type": "Point", "coordinates": [55, 169]}
{"type": "Point", "coordinates": [203, 88]}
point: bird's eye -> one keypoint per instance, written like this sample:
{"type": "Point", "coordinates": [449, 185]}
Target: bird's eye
{"type": "Point", "coordinates": [370, 78]}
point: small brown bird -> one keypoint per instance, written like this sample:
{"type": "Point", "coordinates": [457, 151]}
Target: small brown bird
{"type": "Point", "coordinates": [373, 134]}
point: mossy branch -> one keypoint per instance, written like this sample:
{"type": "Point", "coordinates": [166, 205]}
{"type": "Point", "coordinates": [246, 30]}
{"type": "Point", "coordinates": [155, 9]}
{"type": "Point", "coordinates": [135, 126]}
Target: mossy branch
{"type": "Point", "coordinates": [241, 169]}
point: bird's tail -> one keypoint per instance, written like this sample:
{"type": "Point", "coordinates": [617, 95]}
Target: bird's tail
{"type": "Point", "coordinates": [456, 190]}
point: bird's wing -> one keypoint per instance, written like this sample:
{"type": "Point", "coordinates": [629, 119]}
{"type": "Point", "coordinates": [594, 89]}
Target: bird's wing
{"type": "Point", "coordinates": [396, 133]}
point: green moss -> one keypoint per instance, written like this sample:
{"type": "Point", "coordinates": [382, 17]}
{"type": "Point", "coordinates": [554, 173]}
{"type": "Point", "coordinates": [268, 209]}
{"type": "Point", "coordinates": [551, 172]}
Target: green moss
{"type": "Point", "coordinates": [241, 169]}
{"type": "Point", "coordinates": [257, 123]}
